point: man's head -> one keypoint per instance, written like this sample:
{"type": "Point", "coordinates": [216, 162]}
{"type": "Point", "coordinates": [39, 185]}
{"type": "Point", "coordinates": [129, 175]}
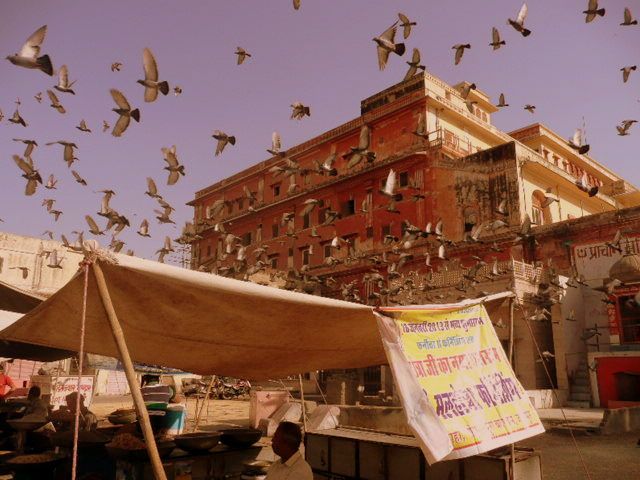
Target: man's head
{"type": "Point", "coordinates": [286, 441]}
{"type": "Point", "coordinates": [71, 400]}
{"type": "Point", "coordinates": [34, 392]}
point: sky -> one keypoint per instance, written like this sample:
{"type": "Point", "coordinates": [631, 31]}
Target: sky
{"type": "Point", "coordinates": [322, 55]}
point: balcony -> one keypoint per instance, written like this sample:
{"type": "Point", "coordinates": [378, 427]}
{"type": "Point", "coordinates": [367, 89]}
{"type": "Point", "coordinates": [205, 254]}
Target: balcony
{"type": "Point", "coordinates": [450, 143]}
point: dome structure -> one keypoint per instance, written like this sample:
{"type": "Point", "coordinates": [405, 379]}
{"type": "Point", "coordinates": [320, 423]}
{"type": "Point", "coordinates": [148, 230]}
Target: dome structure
{"type": "Point", "coordinates": [627, 269]}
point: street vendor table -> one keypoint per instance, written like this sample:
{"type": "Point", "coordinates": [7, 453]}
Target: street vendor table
{"type": "Point", "coordinates": [349, 454]}
{"type": "Point", "coordinates": [220, 463]}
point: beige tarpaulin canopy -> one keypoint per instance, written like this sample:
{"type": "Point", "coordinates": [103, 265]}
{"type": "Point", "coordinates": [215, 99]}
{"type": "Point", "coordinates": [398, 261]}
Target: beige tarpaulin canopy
{"type": "Point", "coordinates": [13, 299]}
{"type": "Point", "coordinates": [204, 323]}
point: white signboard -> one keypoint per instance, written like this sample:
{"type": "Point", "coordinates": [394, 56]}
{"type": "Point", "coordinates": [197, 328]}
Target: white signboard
{"type": "Point", "coordinates": [593, 260]}
{"type": "Point", "coordinates": [63, 386]}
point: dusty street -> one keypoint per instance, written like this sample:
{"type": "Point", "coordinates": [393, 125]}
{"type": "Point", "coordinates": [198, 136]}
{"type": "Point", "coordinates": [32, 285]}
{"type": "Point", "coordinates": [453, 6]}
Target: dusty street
{"type": "Point", "coordinates": [606, 456]}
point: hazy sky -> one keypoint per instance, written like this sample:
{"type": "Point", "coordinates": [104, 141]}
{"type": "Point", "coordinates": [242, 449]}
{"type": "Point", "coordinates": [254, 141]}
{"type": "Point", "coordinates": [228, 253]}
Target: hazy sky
{"type": "Point", "coordinates": [321, 55]}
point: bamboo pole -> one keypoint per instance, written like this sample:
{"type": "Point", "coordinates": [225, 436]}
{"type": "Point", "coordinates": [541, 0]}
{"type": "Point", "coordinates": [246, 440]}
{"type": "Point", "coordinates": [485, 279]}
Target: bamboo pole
{"type": "Point", "coordinates": [138, 401]}
{"type": "Point", "coordinates": [204, 400]}
{"type": "Point", "coordinates": [512, 308]}
{"type": "Point", "coordinates": [304, 410]}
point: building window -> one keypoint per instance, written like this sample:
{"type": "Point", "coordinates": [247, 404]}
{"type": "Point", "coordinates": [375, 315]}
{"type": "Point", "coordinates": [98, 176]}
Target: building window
{"type": "Point", "coordinates": [273, 261]}
{"type": "Point", "coordinates": [322, 215]}
{"type": "Point", "coordinates": [305, 256]}
{"type": "Point", "coordinates": [470, 219]}
{"type": "Point", "coordinates": [629, 319]}
{"type": "Point", "coordinates": [447, 95]}
{"type": "Point", "coordinates": [404, 179]}
{"type": "Point", "coordinates": [386, 230]}
{"type": "Point", "coordinates": [369, 232]}
{"type": "Point", "coordinates": [290, 252]}
{"type": "Point", "coordinates": [240, 203]}
{"type": "Point", "coordinates": [274, 230]}
{"type": "Point", "coordinates": [1, 263]}
{"type": "Point", "coordinates": [246, 239]}
{"type": "Point", "coordinates": [326, 249]}
{"type": "Point", "coordinates": [539, 215]}
{"type": "Point", "coordinates": [348, 208]}
{"type": "Point", "coordinates": [276, 190]}
{"type": "Point", "coordinates": [306, 221]}
{"type": "Point", "coordinates": [207, 212]}
{"type": "Point", "coordinates": [208, 250]}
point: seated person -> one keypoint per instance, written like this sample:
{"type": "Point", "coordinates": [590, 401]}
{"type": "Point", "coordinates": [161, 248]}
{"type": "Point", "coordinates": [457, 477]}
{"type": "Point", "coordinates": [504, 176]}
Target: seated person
{"type": "Point", "coordinates": [286, 444]}
{"type": "Point", "coordinates": [36, 406]}
{"type": "Point", "coordinates": [66, 414]}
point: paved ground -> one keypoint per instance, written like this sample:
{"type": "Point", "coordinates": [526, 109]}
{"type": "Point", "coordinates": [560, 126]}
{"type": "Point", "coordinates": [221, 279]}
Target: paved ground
{"type": "Point", "coordinates": [606, 456]}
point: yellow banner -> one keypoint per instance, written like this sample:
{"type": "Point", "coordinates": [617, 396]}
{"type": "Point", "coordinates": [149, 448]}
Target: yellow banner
{"type": "Point", "coordinates": [461, 367]}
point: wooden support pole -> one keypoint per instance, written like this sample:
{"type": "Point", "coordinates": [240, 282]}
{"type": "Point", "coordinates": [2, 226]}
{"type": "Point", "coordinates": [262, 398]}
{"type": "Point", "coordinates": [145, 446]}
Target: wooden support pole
{"type": "Point", "coordinates": [204, 400]}
{"type": "Point", "coordinates": [138, 401]}
{"type": "Point", "coordinates": [304, 410]}
{"type": "Point", "coordinates": [512, 308]}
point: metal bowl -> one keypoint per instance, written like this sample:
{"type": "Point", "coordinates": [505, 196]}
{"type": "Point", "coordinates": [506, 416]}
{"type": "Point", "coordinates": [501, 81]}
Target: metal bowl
{"type": "Point", "coordinates": [26, 425]}
{"type": "Point", "coordinates": [141, 454]}
{"type": "Point", "coordinates": [197, 442]}
{"type": "Point", "coordinates": [122, 417]}
{"type": "Point", "coordinates": [240, 437]}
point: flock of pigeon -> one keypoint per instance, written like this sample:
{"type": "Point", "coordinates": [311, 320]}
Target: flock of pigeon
{"type": "Point", "coordinates": [30, 57]}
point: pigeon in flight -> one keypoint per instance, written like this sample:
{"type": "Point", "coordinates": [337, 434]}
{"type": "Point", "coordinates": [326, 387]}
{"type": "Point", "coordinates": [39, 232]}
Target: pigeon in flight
{"type": "Point", "coordinates": [63, 81]}
{"type": "Point", "coordinates": [592, 11]}
{"type": "Point", "coordinates": [406, 25]}
{"type": "Point", "coordinates": [276, 145]}
{"type": "Point", "coordinates": [577, 142]}
{"type": "Point", "coordinates": [502, 101]}
{"type": "Point", "coordinates": [421, 127]}
{"type": "Point", "coordinates": [143, 231]}
{"type": "Point", "coordinates": [222, 139]}
{"type": "Point", "coordinates": [54, 261]}
{"type": "Point", "coordinates": [31, 144]}
{"type": "Point", "coordinates": [518, 23]}
{"type": "Point", "coordinates": [628, 18]}
{"type": "Point", "coordinates": [623, 128]}
{"type": "Point", "coordinates": [152, 190]}
{"type": "Point", "coordinates": [78, 178]}
{"type": "Point", "coordinates": [68, 153]}
{"type": "Point", "coordinates": [116, 66]}
{"type": "Point", "coordinates": [51, 183]}
{"type": "Point", "coordinates": [414, 65]}
{"type": "Point", "coordinates": [177, 90]}
{"type": "Point", "coordinates": [296, 4]}
{"type": "Point", "coordinates": [93, 226]}
{"type": "Point", "coordinates": [28, 56]}
{"type": "Point", "coordinates": [105, 126]}
{"type": "Point", "coordinates": [242, 55]}
{"type": "Point", "coordinates": [530, 108]}
{"type": "Point", "coordinates": [496, 42]}
{"type": "Point", "coordinates": [150, 82]}
{"type": "Point", "coordinates": [83, 127]}
{"type": "Point", "coordinates": [125, 112]}
{"type": "Point", "coordinates": [174, 167]}
{"type": "Point", "coordinates": [38, 97]}
{"type": "Point", "coordinates": [30, 174]}
{"type": "Point", "coordinates": [626, 71]}
{"type": "Point", "coordinates": [385, 45]}
{"type": "Point", "coordinates": [356, 154]}
{"type": "Point", "coordinates": [459, 48]}
{"type": "Point", "coordinates": [55, 103]}
{"type": "Point", "coordinates": [583, 184]}
{"type": "Point", "coordinates": [17, 119]}
{"type": "Point", "coordinates": [298, 111]}
{"type": "Point", "coordinates": [466, 90]}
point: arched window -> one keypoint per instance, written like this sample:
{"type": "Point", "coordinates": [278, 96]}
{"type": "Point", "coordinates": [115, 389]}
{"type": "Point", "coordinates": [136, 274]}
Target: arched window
{"type": "Point", "coordinates": [540, 213]}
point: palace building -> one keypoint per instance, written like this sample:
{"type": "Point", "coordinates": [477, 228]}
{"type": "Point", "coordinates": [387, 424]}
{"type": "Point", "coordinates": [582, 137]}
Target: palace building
{"type": "Point", "coordinates": [475, 186]}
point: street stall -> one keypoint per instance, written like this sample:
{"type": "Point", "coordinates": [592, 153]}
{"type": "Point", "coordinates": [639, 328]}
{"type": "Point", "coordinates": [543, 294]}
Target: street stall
{"type": "Point", "coordinates": [143, 311]}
